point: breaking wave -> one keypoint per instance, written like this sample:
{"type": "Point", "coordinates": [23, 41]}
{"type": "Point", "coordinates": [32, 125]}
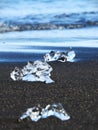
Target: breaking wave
{"type": "Point", "coordinates": [49, 22]}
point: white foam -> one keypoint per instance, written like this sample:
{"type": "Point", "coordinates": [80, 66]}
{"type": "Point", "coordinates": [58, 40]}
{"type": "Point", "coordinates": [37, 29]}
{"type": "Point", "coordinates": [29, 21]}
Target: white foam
{"type": "Point", "coordinates": [20, 48]}
{"type": "Point", "coordinates": [66, 33]}
{"type": "Point", "coordinates": [23, 41]}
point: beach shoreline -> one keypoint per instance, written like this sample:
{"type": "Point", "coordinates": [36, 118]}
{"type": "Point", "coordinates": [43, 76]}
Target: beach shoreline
{"type": "Point", "coordinates": [75, 87]}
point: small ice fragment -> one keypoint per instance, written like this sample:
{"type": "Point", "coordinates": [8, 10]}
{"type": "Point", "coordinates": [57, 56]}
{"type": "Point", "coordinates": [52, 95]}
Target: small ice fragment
{"type": "Point", "coordinates": [71, 55]}
{"type": "Point", "coordinates": [38, 112]}
{"type": "Point", "coordinates": [33, 71]}
{"type": "Point", "coordinates": [16, 74]}
{"type": "Point", "coordinates": [60, 56]}
{"type": "Point", "coordinates": [33, 113]}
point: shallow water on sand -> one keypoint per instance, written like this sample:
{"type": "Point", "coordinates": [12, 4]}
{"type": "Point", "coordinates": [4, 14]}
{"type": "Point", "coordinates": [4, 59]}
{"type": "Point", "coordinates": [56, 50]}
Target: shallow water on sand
{"type": "Point", "coordinates": [32, 45]}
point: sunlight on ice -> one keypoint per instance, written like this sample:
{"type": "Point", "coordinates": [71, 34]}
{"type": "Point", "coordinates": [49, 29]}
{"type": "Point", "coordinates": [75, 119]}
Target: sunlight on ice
{"type": "Point", "coordinates": [60, 56]}
{"type": "Point", "coordinates": [37, 112]}
{"type": "Point", "coordinates": [33, 71]}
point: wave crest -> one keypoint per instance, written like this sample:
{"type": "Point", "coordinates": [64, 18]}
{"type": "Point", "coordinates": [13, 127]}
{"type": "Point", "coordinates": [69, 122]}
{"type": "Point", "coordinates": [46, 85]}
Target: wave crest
{"type": "Point", "coordinates": [49, 22]}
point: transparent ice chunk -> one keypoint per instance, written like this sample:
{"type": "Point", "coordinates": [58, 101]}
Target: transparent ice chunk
{"type": "Point", "coordinates": [33, 113]}
{"type": "Point", "coordinates": [71, 55]}
{"type": "Point", "coordinates": [38, 112]}
{"type": "Point", "coordinates": [33, 71]}
{"type": "Point", "coordinates": [60, 56]}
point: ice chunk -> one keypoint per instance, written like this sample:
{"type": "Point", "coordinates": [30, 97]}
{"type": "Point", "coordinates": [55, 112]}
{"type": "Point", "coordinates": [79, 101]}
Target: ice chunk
{"type": "Point", "coordinates": [70, 55]}
{"type": "Point", "coordinates": [60, 56]}
{"type": "Point", "coordinates": [34, 113]}
{"type": "Point", "coordinates": [33, 71]}
{"type": "Point", "coordinates": [38, 112]}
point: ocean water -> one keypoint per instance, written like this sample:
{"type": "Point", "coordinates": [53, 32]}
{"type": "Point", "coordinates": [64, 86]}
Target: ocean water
{"type": "Point", "coordinates": [31, 28]}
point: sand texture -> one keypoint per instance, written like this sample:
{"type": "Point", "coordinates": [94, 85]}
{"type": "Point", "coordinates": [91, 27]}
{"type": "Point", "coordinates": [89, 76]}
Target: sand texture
{"type": "Point", "coordinates": [76, 87]}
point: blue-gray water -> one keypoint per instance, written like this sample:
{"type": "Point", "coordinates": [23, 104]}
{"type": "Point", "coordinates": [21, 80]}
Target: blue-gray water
{"type": "Point", "coordinates": [31, 28]}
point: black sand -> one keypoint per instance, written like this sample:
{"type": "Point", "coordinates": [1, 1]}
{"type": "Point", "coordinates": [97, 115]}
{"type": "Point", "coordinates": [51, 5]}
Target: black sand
{"type": "Point", "coordinates": [76, 87]}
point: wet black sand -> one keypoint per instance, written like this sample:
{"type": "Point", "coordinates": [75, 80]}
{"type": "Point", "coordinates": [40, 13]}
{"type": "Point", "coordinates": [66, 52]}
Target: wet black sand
{"type": "Point", "coordinates": [76, 87]}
